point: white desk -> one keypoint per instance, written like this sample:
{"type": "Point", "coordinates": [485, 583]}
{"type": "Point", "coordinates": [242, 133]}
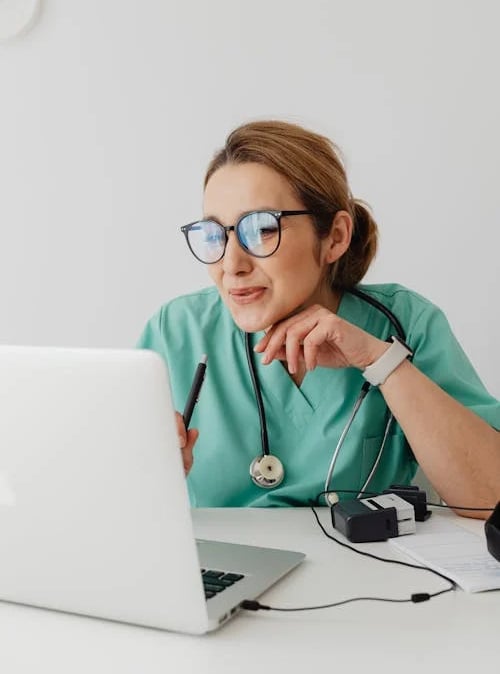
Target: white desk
{"type": "Point", "coordinates": [456, 632]}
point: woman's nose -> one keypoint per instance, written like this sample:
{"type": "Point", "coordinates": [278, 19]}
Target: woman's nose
{"type": "Point", "coordinates": [235, 260]}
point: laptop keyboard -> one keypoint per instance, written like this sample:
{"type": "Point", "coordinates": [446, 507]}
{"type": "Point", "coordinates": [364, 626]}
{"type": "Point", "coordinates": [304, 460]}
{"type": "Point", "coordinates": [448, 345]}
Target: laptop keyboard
{"type": "Point", "coordinates": [217, 581]}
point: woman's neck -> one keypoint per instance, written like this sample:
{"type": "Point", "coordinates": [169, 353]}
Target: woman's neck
{"type": "Point", "coordinates": [326, 297]}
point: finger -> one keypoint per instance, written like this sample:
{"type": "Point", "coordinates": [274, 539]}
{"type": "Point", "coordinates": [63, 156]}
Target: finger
{"type": "Point", "coordinates": [323, 333]}
{"type": "Point", "coordinates": [181, 430]}
{"type": "Point", "coordinates": [262, 343]}
{"type": "Point", "coordinates": [293, 347]}
{"type": "Point", "coordinates": [310, 350]}
{"type": "Point", "coordinates": [280, 354]}
{"type": "Point", "coordinates": [295, 331]}
{"type": "Point", "coordinates": [283, 326]}
{"type": "Point", "coordinates": [192, 437]}
{"type": "Point", "coordinates": [187, 451]}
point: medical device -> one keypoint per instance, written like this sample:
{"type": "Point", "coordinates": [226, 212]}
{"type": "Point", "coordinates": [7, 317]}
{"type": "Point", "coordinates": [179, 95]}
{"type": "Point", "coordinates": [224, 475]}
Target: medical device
{"type": "Point", "coordinates": [375, 518]}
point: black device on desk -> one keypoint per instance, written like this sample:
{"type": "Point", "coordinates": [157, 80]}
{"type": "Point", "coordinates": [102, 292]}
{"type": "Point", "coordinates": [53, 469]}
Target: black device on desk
{"type": "Point", "coordinates": [492, 529]}
{"type": "Point", "coordinates": [361, 523]}
{"type": "Point", "coordinates": [373, 519]}
{"type": "Point", "coordinates": [391, 513]}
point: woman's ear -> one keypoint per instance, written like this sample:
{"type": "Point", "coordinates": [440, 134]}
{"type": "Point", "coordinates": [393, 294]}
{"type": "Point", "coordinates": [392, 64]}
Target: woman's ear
{"type": "Point", "coordinates": [339, 239]}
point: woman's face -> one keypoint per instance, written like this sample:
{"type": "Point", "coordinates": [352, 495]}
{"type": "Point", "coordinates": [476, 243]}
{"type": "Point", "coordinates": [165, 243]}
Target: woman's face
{"type": "Point", "coordinates": [261, 291]}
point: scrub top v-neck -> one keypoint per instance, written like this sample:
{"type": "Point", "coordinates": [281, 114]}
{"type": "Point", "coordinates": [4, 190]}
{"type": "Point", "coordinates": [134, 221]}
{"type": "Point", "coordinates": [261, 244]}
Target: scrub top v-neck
{"type": "Point", "coordinates": [304, 423]}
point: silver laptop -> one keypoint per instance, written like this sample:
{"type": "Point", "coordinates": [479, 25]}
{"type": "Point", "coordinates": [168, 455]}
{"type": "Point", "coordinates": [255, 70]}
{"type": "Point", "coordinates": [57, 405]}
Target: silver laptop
{"type": "Point", "coordinates": [94, 512]}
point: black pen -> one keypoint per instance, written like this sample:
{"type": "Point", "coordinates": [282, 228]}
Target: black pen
{"type": "Point", "coordinates": [192, 399]}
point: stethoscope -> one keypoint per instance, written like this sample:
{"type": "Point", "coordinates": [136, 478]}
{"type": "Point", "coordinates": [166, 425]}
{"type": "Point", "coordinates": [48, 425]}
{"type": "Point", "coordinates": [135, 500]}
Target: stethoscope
{"type": "Point", "coordinates": [266, 470]}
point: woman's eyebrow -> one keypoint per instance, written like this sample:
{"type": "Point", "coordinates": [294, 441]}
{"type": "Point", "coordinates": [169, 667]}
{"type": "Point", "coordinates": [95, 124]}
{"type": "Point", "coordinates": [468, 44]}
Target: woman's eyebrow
{"type": "Point", "coordinates": [242, 213]}
{"type": "Point", "coordinates": [210, 217]}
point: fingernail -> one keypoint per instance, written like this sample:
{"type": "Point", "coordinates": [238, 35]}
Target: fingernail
{"type": "Point", "coordinates": [182, 442]}
{"type": "Point", "coordinates": [265, 359]}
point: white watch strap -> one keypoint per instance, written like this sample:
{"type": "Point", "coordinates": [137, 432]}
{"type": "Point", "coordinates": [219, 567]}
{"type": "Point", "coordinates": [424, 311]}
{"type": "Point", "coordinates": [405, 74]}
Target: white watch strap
{"type": "Point", "coordinates": [377, 372]}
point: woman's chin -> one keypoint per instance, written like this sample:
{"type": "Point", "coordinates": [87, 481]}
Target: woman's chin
{"type": "Point", "coordinates": [250, 321]}
{"type": "Point", "coordinates": [250, 325]}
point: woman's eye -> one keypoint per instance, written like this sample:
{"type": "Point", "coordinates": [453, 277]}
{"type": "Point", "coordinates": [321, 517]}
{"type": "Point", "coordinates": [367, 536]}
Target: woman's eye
{"type": "Point", "coordinates": [267, 231]}
{"type": "Point", "coordinates": [212, 238]}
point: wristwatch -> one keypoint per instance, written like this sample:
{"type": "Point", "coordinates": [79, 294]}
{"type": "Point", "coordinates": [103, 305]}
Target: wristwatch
{"type": "Point", "coordinates": [377, 372]}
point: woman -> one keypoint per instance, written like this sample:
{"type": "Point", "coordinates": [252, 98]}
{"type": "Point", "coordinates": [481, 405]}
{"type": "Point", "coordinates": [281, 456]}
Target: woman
{"type": "Point", "coordinates": [286, 246]}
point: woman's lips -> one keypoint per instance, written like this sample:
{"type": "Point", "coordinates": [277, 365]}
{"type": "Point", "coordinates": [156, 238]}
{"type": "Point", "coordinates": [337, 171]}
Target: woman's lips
{"type": "Point", "coordinates": [246, 295]}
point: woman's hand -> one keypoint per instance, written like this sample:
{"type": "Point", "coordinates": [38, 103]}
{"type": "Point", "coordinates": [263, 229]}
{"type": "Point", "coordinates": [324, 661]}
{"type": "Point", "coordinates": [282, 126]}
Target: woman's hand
{"type": "Point", "coordinates": [318, 337]}
{"type": "Point", "coordinates": [187, 441]}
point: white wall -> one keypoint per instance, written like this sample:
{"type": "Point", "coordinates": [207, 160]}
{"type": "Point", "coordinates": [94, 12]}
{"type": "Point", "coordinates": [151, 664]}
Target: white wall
{"type": "Point", "coordinates": [110, 110]}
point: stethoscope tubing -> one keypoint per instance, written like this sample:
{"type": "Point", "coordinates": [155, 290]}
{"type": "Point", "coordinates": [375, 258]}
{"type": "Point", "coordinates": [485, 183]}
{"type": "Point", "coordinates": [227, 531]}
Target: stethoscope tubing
{"type": "Point", "coordinates": [258, 396]}
{"type": "Point", "coordinates": [333, 462]}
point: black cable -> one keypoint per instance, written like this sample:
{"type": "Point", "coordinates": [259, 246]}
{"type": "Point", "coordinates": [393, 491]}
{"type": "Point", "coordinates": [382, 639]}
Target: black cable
{"type": "Point", "coordinates": [378, 493]}
{"type": "Point", "coordinates": [415, 598]}
{"type": "Point", "coordinates": [380, 559]}
{"type": "Point", "coordinates": [454, 507]}
{"type": "Point", "coordinates": [254, 605]}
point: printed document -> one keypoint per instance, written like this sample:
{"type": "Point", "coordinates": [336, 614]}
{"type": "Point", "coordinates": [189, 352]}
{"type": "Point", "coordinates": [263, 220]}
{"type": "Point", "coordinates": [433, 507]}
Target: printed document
{"type": "Point", "coordinates": [459, 554]}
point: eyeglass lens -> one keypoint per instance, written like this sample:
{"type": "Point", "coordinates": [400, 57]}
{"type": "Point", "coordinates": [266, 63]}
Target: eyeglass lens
{"type": "Point", "coordinates": [257, 232]}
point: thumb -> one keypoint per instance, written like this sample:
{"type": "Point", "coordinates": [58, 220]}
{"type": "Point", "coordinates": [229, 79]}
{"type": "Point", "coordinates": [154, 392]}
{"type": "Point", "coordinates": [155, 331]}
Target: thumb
{"type": "Point", "coordinates": [187, 450]}
{"type": "Point", "coordinates": [181, 430]}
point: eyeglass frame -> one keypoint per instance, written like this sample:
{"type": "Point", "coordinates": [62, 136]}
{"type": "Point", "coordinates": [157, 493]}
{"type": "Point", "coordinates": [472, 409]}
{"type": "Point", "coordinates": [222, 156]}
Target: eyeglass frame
{"type": "Point", "coordinates": [234, 228]}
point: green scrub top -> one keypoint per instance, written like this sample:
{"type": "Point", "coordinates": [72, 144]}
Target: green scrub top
{"type": "Point", "coordinates": [304, 423]}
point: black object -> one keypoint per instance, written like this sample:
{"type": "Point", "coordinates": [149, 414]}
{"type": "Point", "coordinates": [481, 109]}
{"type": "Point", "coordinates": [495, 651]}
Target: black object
{"type": "Point", "coordinates": [194, 392]}
{"type": "Point", "coordinates": [359, 524]}
{"type": "Point", "coordinates": [492, 529]}
{"type": "Point", "coordinates": [413, 495]}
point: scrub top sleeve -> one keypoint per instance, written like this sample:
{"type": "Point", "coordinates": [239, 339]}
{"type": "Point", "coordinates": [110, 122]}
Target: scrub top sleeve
{"type": "Point", "coordinates": [152, 336]}
{"type": "Point", "coordinates": [438, 355]}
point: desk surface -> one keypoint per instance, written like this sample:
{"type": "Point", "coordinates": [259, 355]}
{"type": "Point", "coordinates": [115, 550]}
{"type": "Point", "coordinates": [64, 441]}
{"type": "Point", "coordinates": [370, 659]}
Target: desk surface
{"type": "Point", "coordinates": [450, 633]}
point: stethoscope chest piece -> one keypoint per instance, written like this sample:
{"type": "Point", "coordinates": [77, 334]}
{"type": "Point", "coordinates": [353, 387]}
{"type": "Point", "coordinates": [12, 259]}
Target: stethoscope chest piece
{"type": "Point", "coordinates": [267, 471]}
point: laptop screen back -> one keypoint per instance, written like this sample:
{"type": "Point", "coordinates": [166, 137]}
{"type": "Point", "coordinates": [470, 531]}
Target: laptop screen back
{"type": "Point", "coordinates": [94, 510]}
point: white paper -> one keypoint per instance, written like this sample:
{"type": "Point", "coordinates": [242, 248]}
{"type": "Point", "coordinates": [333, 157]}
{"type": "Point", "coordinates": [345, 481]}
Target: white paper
{"type": "Point", "coordinates": [455, 552]}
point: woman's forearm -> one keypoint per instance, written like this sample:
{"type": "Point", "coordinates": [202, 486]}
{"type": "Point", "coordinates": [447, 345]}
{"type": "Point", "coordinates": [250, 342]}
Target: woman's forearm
{"type": "Point", "coordinates": [457, 450]}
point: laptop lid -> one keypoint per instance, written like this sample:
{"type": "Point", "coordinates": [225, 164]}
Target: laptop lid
{"type": "Point", "coordinates": [94, 510]}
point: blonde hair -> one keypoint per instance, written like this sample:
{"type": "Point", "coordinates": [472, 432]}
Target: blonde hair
{"type": "Point", "coordinates": [312, 165]}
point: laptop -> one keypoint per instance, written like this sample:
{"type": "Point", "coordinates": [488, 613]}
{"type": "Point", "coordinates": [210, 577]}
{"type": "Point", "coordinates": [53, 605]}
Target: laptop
{"type": "Point", "coordinates": [94, 510]}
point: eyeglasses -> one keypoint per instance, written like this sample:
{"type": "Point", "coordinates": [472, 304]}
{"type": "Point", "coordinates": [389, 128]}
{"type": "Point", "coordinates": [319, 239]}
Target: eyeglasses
{"type": "Point", "coordinates": [258, 233]}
